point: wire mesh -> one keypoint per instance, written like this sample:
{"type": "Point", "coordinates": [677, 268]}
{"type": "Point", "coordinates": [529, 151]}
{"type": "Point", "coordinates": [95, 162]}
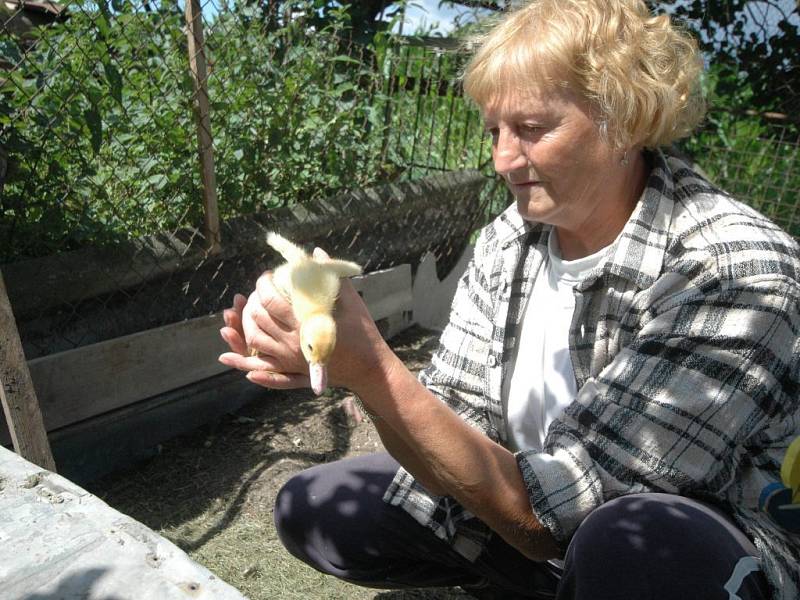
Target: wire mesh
{"type": "Point", "coordinates": [754, 157]}
{"type": "Point", "coordinates": [100, 149]}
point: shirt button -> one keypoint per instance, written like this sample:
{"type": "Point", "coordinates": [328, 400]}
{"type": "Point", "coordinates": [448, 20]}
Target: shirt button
{"type": "Point", "coordinates": [492, 361]}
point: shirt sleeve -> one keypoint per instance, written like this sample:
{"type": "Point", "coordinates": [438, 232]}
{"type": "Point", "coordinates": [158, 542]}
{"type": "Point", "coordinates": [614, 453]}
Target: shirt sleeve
{"type": "Point", "coordinates": [709, 368]}
{"type": "Point", "coordinates": [457, 372]}
{"type": "Point", "coordinates": [456, 376]}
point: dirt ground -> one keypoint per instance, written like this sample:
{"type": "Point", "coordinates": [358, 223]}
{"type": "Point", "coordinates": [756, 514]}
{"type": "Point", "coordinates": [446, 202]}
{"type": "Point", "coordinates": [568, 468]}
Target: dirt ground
{"type": "Point", "coordinates": [212, 492]}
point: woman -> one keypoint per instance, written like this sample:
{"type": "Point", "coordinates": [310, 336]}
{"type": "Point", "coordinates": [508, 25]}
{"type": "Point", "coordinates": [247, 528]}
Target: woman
{"type": "Point", "coordinates": [619, 376]}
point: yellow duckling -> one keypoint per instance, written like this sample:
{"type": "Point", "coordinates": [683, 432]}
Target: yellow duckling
{"type": "Point", "coordinates": [311, 286]}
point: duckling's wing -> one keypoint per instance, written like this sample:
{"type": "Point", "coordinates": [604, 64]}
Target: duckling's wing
{"type": "Point", "coordinates": [343, 268]}
{"type": "Point", "coordinates": [282, 280]}
{"type": "Point", "coordinates": [290, 251]}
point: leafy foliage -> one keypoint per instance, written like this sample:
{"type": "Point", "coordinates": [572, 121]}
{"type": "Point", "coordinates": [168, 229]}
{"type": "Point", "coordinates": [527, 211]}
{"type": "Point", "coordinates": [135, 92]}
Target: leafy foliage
{"type": "Point", "coordinates": [751, 41]}
{"type": "Point", "coordinates": [98, 124]}
{"type": "Point", "coordinates": [750, 156]}
{"type": "Point", "coordinates": [96, 117]}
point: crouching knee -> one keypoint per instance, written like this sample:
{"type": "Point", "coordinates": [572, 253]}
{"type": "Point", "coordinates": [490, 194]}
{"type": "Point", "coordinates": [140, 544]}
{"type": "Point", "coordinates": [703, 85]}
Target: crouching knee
{"type": "Point", "coordinates": [654, 546]}
{"type": "Point", "coordinates": [292, 519]}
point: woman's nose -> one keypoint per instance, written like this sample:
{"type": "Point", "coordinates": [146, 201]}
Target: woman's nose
{"type": "Point", "coordinates": [507, 153]}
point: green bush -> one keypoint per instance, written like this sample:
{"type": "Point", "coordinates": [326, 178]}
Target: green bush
{"type": "Point", "coordinates": [752, 157]}
{"type": "Point", "coordinates": [98, 124]}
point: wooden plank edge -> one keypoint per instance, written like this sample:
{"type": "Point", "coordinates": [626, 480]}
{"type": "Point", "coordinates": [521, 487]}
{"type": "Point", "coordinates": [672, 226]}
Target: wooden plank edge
{"type": "Point", "coordinates": [18, 396]}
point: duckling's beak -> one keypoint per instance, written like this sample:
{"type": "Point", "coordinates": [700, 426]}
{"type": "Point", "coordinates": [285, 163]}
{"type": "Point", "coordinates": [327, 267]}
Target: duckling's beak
{"type": "Point", "coordinates": [319, 377]}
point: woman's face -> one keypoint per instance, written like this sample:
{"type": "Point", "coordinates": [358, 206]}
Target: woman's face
{"type": "Point", "coordinates": [561, 172]}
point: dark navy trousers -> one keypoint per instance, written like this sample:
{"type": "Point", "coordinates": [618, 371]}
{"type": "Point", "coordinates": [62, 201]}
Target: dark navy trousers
{"type": "Point", "coordinates": [643, 546]}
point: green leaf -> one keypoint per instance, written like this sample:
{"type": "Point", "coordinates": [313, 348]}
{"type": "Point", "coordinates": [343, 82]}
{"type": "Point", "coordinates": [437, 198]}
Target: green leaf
{"type": "Point", "coordinates": [93, 93]}
{"type": "Point", "coordinates": [157, 181]}
{"type": "Point", "coordinates": [102, 21]}
{"type": "Point", "coordinates": [114, 81]}
{"type": "Point", "coordinates": [94, 122]}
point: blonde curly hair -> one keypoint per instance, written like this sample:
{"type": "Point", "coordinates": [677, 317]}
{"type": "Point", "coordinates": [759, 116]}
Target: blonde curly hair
{"type": "Point", "coordinates": [640, 72]}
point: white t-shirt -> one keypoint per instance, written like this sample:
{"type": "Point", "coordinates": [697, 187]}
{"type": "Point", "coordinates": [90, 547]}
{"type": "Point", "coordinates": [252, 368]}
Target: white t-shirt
{"type": "Point", "coordinates": [542, 381]}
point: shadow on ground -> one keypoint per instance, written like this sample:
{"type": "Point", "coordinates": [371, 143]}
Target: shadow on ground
{"type": "Point", "coordinates": [212, 491]}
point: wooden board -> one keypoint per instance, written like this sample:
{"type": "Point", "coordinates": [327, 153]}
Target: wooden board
{"type": "Point", "coordinates": [60, 541]}
{"type": "Point", "coordinates": [386, 292]}
{"type": "Point", "coordinates": [17, 395]}
{"type": "Point", "coordinates": [91, 380]}
{"type": "Point", "coordinates": [95, 447]}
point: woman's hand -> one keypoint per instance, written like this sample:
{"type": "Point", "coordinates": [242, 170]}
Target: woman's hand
{"type": "Point", "coordinates": [261, 332]}
{"type": "Point", "coordinates": [265, 322]}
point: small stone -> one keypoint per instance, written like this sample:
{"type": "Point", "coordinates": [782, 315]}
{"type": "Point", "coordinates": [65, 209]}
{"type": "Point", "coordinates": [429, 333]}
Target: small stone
{"type": "Point", "coordinates": [31, 481]}
{"type": "Point", "coordinates": [250, 571]}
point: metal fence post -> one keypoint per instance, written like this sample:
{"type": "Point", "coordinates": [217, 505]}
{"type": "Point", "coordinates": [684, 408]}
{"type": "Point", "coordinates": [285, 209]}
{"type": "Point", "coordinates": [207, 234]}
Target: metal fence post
{"type": "Point", "coordinates": [197, 65]}
{"type": "Point", "coordinates": [21, 408]}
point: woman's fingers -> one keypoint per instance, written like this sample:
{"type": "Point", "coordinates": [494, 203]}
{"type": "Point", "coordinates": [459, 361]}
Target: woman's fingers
{"type": "Point", "coordinates": [233, 316]}
{"type": "Point", "coordinates": [234, 338]}
{"type": "Point", "coordinates": [264, 371]}
{"type": "Point", "coordinates": [239, 301]}
{"type": "Point", "coordinates": [258, 362]}
{"type": "Point", "coordinates": [260, 331]}
{"type": "Point", "coordinates": [279, 381]}
{"type": "Point", "coordinates": [250, 327]}
{"type": "Point", "coordinates": [233, 332]}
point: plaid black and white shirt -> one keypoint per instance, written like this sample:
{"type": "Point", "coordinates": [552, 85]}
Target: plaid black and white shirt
{"type": "Point", "coordinates": [685, 344]}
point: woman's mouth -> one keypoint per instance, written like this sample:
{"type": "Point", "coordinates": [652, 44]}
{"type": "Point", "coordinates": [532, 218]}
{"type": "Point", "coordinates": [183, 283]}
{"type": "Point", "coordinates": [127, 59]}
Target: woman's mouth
{"type": "Point", "coordinates": [524, 184]}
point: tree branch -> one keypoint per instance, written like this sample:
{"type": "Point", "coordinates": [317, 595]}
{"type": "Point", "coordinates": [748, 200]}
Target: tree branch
{"type": "Point", "coordinates": [487, 4]}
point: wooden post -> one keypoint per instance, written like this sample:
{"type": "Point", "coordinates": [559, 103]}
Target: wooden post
{"type": "Point", "coordinates": [202, 110]}
{"type": "Point", "coordinates": [21, 408]}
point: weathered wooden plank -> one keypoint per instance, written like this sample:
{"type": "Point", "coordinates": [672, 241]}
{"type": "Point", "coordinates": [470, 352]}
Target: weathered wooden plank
{"type": "Point", "coordinates": [78, 384]}
{"type": "Point", "coordinates": [91, 380]}
{"type": "Point", "coordinates": [92, 448]}
{"type": "Point", "coordinates": [20, 405]}
{"type": "Point", "coordinates": [60, 541]}
{"type": "Point", "coordinates": [386, 292]}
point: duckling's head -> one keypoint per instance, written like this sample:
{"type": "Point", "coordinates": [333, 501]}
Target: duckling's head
{"type": "Point", "coordinates": [317, 340]}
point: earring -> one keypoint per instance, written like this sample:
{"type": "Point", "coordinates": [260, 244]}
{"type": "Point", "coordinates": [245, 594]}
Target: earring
{"type": "Point", "coordinates": [624, 162]}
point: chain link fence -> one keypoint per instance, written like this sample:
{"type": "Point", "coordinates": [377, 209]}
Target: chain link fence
{"type": "Point", "coordinates": [131, 130]}
{"type": "Point", "coordinates": [755, 157]}
{"type": "Point", "coordinates": [146, 145]}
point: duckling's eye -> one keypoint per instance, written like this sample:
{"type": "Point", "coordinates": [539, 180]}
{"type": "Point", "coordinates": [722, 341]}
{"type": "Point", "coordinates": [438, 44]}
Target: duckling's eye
{"type": "Point", "coordinates": [310, 347]}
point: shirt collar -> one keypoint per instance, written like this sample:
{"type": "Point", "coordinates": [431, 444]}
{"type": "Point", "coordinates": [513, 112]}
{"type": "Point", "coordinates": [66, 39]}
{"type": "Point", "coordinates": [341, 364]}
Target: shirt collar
{"type": "Point", "coordinates": [638, 253]}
